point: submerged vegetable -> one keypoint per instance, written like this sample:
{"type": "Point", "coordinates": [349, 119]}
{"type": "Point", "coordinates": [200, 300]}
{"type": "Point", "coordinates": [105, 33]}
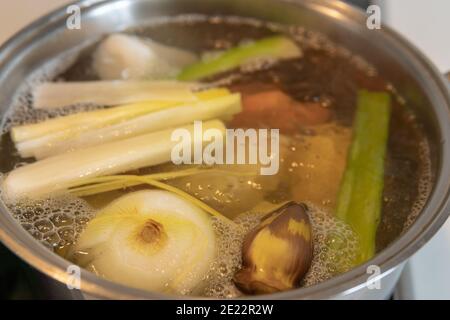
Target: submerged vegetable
{"type": "Point", "coordinates": [82, 121]}
{"type": "Point", "coordinates": [360, 196]}
{"type": "Point", "coordinates": [52, 95]}
{"type": "Point", "coordinates": [122, 56]}
{"type": "Point", "coordinates": [57, 173]}
{"type": "Point", "coordinates": [278, 253]}
{"type": "Point", "coordinates": [103, 184]}
{"type": "Point", "coordinates": [215, 103]}
{"type": "Point", "coordinates": [272, 108]}
{"type": "Point", "coordinates": [151, 240]}
{"type": "Point", "coordinates": [277, 47]}
{"type": "Point", "coordinates": [318, 164]}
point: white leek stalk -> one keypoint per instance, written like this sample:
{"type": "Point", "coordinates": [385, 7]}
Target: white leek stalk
{"type": "Point", "coordinates": [82, 121]}
{"type": "Point", "coordinates": [57, 173]}
{"type": "Point", "coordinates": [60, 142]}
{"type": "Point", "coordinates": [52, 95]}
{"type": "Point", "coordinates": [153, 240]}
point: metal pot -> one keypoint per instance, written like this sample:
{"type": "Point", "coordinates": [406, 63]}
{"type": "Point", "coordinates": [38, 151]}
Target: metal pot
{"type": "Point", "coordinates": [409, 71]}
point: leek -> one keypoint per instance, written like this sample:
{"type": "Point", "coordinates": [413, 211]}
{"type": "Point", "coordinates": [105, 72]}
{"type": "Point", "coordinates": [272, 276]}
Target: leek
{"type": "Point", "coordinates": [56, 143]}
{"type": "Point", "coordinates": [60, 94]}
{"type": "Point", "coordinates": [109, 183]}
{"type": "Point", "coordinates": [360, 195]}
{"type": "Point", "coordinates": [56, 173]}
{"type": "Point", "coordinates": [71, 124]}
{"type": "Point", "coordinates": [103, 184]}
{"type": "Point", "coordinates": [277, 47]}
{"type": "Point", "coordinates": [83, 121]}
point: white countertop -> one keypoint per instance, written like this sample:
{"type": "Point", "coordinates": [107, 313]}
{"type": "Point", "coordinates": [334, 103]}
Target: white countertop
{"type": "Point", "coordinates": [424, 23]}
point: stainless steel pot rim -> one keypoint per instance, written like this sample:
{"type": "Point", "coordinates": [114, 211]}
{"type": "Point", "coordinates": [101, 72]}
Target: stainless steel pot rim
{"type": "Point", "coordinates": [434, 213]}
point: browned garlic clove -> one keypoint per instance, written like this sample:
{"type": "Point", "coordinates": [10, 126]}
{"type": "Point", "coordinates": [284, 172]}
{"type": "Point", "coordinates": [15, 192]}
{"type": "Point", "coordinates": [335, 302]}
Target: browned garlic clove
{"type": "Point", "coordinates": [278, 253]}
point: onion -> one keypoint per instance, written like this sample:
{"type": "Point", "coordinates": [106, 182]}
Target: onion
{"type": "Point", "coordinates": [151, 240]}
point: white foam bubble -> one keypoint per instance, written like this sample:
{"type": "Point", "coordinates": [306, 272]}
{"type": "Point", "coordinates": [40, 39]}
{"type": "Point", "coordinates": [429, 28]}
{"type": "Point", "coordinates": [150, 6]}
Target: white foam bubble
{"type": "Point", "coordinates": [424, 185]}
{"type": "Point", "coordinates": [229, 260]}
{"type": "Point", "coordinates": [335, 248]}
{"type": "Point", "coordinates": [56, 222]}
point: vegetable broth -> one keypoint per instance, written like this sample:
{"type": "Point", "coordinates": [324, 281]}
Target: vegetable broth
{"type": "Point", "coordinates": [312, 158]}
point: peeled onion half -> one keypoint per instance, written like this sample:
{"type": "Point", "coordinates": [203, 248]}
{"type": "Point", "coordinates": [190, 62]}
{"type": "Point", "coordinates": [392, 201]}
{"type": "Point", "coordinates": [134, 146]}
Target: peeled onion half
{"type": "Point", "coordinates": [151, 240]}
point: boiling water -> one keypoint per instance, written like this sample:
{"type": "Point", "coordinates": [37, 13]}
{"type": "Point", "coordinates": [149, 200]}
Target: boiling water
{"type": "Point", "coordinates": [56, 222]}
{"type": "Point", "coordinates": [327, 231]}
{"type": "Point", "coordinates": [326, 74]}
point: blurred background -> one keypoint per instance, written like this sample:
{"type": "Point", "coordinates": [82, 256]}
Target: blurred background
{"type": "Point", "coordinates": [424, 22]}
